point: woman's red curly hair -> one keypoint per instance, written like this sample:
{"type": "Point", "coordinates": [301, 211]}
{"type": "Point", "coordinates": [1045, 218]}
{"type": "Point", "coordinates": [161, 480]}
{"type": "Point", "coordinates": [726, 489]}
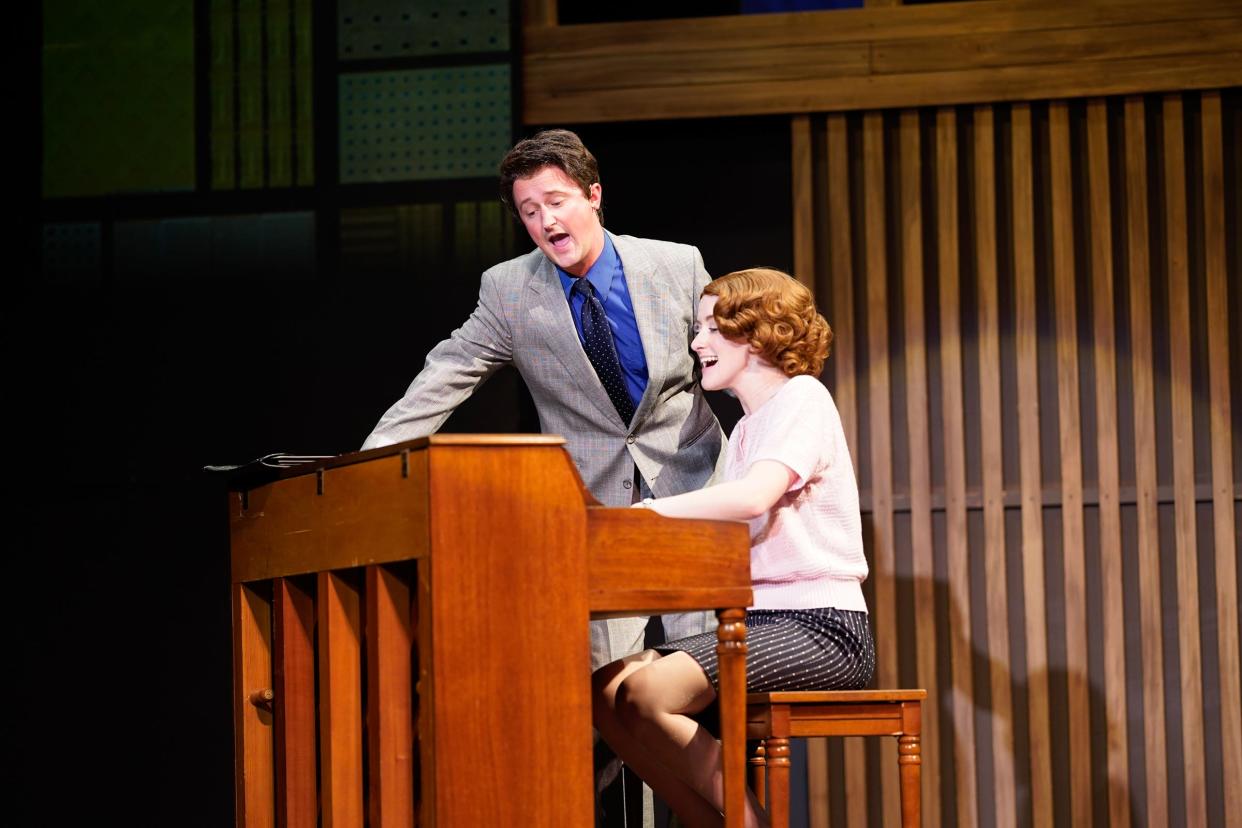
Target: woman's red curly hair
{"type": "Point", "coordinates": [775, 314]}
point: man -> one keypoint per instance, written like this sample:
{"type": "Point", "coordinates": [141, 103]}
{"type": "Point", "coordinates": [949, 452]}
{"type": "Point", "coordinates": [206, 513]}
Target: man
{"type": "Point", "coordinates": [599, 327]}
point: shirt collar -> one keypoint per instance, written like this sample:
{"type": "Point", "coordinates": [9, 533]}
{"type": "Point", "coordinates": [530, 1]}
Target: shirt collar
{"type": "Point", "coordinates": [601, 273]}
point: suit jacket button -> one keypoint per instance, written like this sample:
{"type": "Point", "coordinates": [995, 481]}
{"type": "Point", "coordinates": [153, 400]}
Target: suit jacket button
{"type": "Point", "coordinates": [631, 439]}
{"type": "Point", "coordinates": [625, 484]}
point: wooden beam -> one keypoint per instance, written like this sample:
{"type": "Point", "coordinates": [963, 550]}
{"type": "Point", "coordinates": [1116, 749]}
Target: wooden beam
{"type": "Point", "coordinates": [951, 53]}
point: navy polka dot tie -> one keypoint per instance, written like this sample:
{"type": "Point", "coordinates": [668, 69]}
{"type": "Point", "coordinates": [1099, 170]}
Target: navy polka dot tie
{"type": "Point", "coordinates": [601, 350]}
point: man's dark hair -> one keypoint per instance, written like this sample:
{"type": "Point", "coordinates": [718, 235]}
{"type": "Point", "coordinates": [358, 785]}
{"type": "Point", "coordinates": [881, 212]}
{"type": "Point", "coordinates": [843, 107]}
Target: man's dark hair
{"type": "Point", "coordinates": [558, 148]}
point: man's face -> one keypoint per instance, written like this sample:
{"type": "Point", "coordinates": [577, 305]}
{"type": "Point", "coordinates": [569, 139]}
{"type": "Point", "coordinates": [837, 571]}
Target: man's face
{"type": "Point", "coordinates": [561, 219]}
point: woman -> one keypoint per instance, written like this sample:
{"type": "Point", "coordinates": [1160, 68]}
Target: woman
{"type": "Point", "coordinates": [788, 473]}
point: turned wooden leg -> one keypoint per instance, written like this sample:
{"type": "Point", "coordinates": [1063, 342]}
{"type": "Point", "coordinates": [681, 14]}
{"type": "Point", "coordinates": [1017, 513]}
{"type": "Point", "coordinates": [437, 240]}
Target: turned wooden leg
{"type": "Point", "coordinates": [759, 774]}
{"type": "Point", "coordinates": [778, 780]}
{"type": "Point", "coordinates": [731, 649]}
{"type": "Point", "coordinates": [909, 762]}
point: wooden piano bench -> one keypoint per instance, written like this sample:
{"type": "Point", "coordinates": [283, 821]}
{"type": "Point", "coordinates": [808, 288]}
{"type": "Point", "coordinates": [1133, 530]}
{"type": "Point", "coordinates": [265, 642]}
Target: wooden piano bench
{"type": "Point", "coordinates": [774, 718]}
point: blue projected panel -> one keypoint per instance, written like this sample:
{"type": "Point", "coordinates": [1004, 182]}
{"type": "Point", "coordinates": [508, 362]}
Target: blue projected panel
{"type": "Point", "coordinates": [257, 246]}
{"type": "Point", "coordinates": [71, 251]}
{"type": "Point", "coordinates": [424, 124]}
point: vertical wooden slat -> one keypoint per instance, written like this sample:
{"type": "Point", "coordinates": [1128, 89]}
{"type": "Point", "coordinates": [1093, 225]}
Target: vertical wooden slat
{"type": "Point", "coordinates": [845, 390]}
{"type": "Point", "coordinates": [880, 418]}
{"type": "Point", "coordinates": [539, 12]}
{"type": "Point", "coordinates": [960, 647]}
{"type": "Point", "coordinates": [390, 727]}
{"type": "Point", "coordinates": [917, 412]}
{"type": "Point", "coordinates": [294, 621]}
{"type": "Point", "coordinates": [1178, 276]}
{"type": "Point", "coordinates": [340, 701]}
{"type": "Point", "coordinates": [990, 424]}
{"type": "Point", "coordinates": [1070, 412]}
{"type": "Point", "coordinates": [803, 209]}
{"type": "Point", "coordinates": [1145, 463]}
{"type": "Point", "coordinates": [817, 788]}
{"type": "Point", "coordinates": [1030, 471]}
{"type": "Point", "coordinates": [845, 344]}
{"type": "Point", "coordinates": [252, 725]}
{"type": "Point", "coordinates": [1111, 565]}
{"type": "Point", "coordinates": [1221, 419]}
{"type": "Point", "coordinates": [804, 269]}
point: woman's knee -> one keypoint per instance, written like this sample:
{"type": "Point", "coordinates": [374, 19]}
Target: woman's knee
{"type": "Point", "coordinates": [604, 683]}
{"type": "Point", "coordinates": [640, 698]}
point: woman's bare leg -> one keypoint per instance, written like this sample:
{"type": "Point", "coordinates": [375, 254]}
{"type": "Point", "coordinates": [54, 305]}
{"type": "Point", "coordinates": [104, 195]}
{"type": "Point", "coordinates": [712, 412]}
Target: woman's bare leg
{"type": "Point", "coordinates": [679, 796]}
{"type": "Point", "coordinates": [649, 701]}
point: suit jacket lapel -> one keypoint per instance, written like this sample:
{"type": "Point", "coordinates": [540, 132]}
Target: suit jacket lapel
{"type": "Point", "coordinates": [642, 279]}
{"type": "Point", "coordinates": [551, 316]}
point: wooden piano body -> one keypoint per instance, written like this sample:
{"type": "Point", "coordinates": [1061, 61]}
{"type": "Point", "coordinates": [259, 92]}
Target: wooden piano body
{"type": "Point", "coordinates": [411, 638]}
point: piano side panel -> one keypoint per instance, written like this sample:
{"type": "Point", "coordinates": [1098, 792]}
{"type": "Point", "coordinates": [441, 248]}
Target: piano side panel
{"type": "Point", "coordinates": [507, 623]}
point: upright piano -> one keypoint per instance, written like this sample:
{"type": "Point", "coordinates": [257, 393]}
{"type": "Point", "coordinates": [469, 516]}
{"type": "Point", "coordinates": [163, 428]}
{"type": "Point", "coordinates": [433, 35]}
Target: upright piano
{"type": "Point", "coordinates": [411, 640]}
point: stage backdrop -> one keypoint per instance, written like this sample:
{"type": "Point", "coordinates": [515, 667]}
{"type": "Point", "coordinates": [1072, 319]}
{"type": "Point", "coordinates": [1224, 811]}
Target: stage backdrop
{"type": "Point", "coordinates": [1022, 220]}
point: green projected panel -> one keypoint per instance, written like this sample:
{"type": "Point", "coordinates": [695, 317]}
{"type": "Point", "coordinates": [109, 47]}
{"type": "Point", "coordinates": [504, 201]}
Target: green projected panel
{"type": "Point", "coordinates": [426, 241]}
{"type": "Point", "coordinates": [261, 94]}
{"type": "Point", "coordinates": [424, 124]}
{"type": "Point", "coordinates": [406, 28]}
{"type": "Point", "coordinates": [118, 97]}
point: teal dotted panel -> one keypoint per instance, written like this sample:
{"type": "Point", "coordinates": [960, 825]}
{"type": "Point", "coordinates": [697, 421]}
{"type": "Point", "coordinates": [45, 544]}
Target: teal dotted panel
{"type": "Point", "coordinates": [71, 249]}
{"type": "Point", "coordinates": [401, 28]}
{"type": "Point", "coordinates": [424, 123]}
{"type": "Point", "coordinates": [252, 247]}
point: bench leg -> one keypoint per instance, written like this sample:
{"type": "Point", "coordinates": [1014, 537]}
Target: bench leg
{"type": "Point", "coordinates": [909, 762]}
{"type": "Point", "coordinates": [759, 773]}
{"type": "Point", "coordinates": [778, 781]}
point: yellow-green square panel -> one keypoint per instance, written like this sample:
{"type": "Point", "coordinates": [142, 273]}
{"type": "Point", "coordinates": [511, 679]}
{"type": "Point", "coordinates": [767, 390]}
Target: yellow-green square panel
{"type": "Point", "coordinates": [424, 124]}
{"type": "Point", "coordinates": [118, 97]}
{"type": "Point", "coordinates": [409, 28]}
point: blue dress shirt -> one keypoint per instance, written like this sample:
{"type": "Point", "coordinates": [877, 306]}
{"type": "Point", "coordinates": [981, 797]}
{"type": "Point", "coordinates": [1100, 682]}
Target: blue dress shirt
{"type": "Point", "coordinates": [607, 277]}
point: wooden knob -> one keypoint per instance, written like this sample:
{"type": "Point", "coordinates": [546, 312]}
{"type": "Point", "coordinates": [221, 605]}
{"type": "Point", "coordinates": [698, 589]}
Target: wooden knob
{"type": "Point", "coordinates": [263, 698]}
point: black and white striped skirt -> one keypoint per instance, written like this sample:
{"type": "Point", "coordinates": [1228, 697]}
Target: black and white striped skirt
{"type": "Point", "coordinates": [812, 649]}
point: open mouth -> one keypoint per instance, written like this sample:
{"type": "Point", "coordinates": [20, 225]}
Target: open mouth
{"type": "Point", "coordinates": [707, 361]}
{"type": "Point", "coordinates": [559, 240]}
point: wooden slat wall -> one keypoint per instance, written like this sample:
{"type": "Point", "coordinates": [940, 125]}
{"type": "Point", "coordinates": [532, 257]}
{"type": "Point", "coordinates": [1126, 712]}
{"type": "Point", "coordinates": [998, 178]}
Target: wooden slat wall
{"type": "Point", "coordinates": [1058, 298]}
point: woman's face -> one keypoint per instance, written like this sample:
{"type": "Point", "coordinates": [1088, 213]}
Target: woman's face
{"type": "Point", "coordinates": [722, 359]}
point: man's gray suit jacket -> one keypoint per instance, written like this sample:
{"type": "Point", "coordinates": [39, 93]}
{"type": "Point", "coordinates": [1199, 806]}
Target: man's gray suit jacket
{"type": "Point", "coordinates": [523, 318]}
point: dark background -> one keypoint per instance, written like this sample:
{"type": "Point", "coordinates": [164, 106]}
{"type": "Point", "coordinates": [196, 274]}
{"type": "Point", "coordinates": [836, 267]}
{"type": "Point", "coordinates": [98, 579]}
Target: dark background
{"type": "Point", "coordinates": [120, 392]}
